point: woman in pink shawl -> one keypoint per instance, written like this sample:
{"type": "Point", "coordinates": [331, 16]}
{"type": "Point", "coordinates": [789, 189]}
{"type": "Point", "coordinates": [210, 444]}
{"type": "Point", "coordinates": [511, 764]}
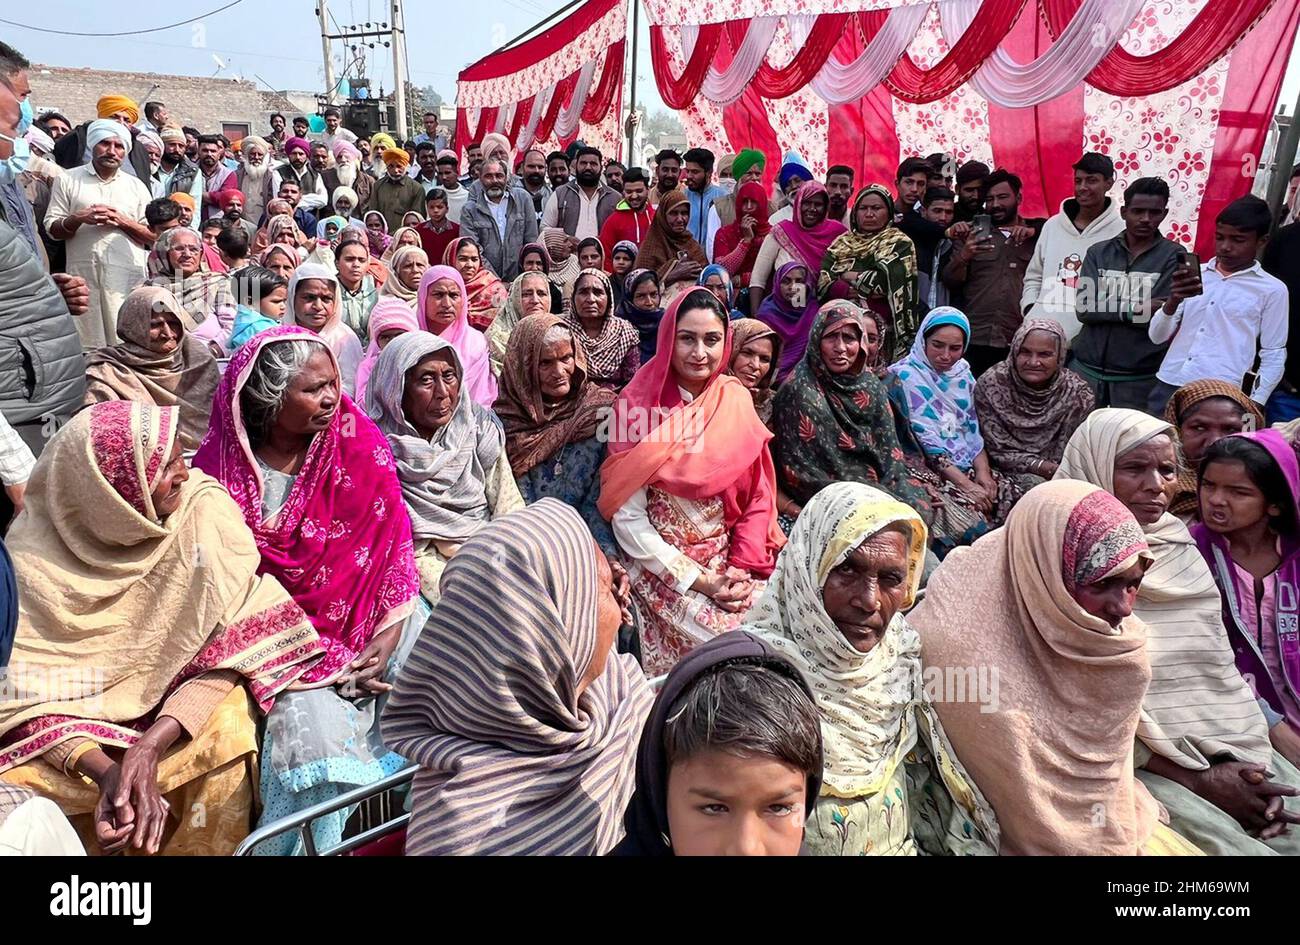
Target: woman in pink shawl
{"type": "Point", "coordinates": [389, 318]}
{"type": "Point", "coordinates": [315, 480]}
{"type": "Point", "coordinates": [442, 305]}
{"type": "Point", "coordinates": [804, 238]}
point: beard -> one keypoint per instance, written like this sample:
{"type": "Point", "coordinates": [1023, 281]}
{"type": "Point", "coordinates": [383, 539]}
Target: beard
{"type": "Point", "coordinates": [256, 173]}
{"type": "Point", "coordinates": [534, 180]}
{"type": "Point", "coordinates": [347, 174]}
{"type": "Point", "coordinates": [589, 179]}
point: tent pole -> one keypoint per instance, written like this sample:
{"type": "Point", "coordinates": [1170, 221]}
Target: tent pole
{"type": "Point", "coordinates": [1283, 158]}
{"type": "Point", "coordinates": [630, 124]}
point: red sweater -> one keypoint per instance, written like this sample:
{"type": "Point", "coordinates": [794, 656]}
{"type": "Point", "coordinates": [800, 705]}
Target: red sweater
{"type": "Point", "coordinates": [624, 224]}
{"type": "Point", "coordinates": [435, 244]}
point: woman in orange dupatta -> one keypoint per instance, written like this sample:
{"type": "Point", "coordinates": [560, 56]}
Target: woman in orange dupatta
{"type": "Point", "coordinates": [689, 486]}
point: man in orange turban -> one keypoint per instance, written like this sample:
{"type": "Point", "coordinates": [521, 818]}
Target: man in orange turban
{"type": "Point", "coordinates": [397, 193]}
{"type": "Point", "coordinates": [119, 107]}
{"type": "Point", "coordinates": [187, 203]}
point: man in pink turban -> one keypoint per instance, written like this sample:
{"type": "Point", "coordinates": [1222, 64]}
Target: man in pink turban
{"type": "Point", "coordinates": [347, 172]}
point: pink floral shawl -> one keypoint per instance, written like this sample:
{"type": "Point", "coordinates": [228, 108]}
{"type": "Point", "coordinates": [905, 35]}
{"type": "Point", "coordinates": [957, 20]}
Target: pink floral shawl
{"type": "Point", "coordinates": [341, 545]}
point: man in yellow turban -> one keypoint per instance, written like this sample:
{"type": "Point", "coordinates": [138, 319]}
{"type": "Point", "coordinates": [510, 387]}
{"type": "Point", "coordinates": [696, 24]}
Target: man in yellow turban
{"type": "Point", "coordinates": [396, 193]}
{"type": "Point", "coordinates": [119, 107]}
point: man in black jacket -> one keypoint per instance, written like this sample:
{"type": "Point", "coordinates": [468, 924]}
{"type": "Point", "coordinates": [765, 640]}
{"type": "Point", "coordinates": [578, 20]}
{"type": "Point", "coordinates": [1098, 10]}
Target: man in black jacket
{"type": "Point", "coordinates": [42, 371]}
{"type": "Point", "coordinates": [1282, 259]}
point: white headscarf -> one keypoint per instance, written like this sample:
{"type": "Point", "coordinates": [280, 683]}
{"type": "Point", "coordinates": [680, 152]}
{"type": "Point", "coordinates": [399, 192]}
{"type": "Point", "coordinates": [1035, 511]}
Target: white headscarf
{"type": "Point", "coordinates": [1197, 705]}
{"type": "Point", "coordinates": [103, 128]}
{"type": "Point", "coordinates": [341, 339]}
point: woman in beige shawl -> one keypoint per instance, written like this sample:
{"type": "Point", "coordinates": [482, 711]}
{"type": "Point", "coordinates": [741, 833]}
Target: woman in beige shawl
{"type": "Point", "coordinates": [1203, 743]}
{"type": "Point", "coordinates": [890, 783]}
{"type": "Point", "coordinates": [1043, 605]}
{"type": "Point", "coordinates": [406, 269]}
{"type": "Point", "coordinates": [159, 361]}
{"type": "Point", "coordinates": [147, 642]}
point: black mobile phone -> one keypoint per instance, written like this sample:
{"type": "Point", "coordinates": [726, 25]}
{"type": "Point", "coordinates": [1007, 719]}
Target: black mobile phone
{"type": "Point", "coordinates": [983, 227]}
{"type": "Point", "coordinates": [1192, 263]}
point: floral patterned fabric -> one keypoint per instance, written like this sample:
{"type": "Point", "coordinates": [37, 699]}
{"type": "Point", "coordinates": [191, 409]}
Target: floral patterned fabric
{"type": "Point", "coordinates": [838, 427]}
{"type": "Point", "coordinates": [341, 545]}
{"type": "Point", "coordinates": [672, 622]}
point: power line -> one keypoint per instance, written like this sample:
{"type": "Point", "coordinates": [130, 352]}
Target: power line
{"type": "Point", "coordinates": [155, 29]}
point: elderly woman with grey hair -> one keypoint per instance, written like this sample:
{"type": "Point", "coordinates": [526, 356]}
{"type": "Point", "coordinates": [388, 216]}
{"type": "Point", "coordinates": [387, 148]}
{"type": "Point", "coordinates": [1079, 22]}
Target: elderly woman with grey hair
{"type": "Point", "coordinates": [315, 480]}
{"type": "Point", "coordinates": [449, 450]}
{"type": "Point", "coordinates": [181, 268]}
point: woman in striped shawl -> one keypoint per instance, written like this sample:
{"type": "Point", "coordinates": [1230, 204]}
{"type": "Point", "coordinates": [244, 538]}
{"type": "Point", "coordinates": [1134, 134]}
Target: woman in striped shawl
{"type": "Point", "coordinates": [1203, 744]}
{"type": "Point", "coordinates": [523, 720]}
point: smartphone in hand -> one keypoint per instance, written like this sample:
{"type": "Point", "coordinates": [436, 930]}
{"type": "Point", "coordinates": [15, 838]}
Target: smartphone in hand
{"type": "Point", "coordinates": [1191, 264]}
{"type": "Point", "coordinates": [983, 228]}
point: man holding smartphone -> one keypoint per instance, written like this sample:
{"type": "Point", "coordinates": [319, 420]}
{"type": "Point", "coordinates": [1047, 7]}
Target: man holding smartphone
{"type": "Point", "coordinates": [1218, 315]}
{"type": "Point", "coordinates": [988, 269]}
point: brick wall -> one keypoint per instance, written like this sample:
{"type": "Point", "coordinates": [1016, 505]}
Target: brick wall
{"type": "Point", "coordinates": [204, 103]}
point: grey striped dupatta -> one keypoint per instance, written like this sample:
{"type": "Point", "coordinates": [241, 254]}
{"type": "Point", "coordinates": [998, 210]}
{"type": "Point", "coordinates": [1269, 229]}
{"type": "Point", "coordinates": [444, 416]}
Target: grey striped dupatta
{"type": "Point", "coordinates": [512, 760]}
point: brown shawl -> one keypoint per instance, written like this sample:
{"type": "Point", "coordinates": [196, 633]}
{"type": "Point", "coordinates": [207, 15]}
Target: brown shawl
{"type": "Point", "coordinates": [1022, 425]}
{"type": "Point", "coordinates": [1185, 502]}
{"type": "Point", "coordinates": [743, 331]}
{"type": "Point", "coordinates": [660, 247]}
{"type": "Point", "coordinates": [187, 377]}
{"type": "Point", "coordinates": [1052, 746]}
{"type": "Point", "coordinates": [535, 430]}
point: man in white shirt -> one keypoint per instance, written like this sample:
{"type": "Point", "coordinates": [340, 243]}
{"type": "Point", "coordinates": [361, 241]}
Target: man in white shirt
{"type": "Point", "coordinates": [448, 173]}
{"type": "Point", "coordinates": [99, 211]}
{"type": "Point", "coordinates": [1237, 309]}
{"type": "Point", "coordinates": [16, 464]}
{"type": "Point", "coordinates": [334, 130]}
{"type": "Point", "coordinates": [155, 117]}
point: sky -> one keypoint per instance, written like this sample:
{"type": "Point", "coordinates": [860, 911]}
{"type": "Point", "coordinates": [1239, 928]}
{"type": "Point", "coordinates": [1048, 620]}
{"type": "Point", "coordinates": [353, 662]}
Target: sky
{"type": "Point", "coordinates": [277, 43]}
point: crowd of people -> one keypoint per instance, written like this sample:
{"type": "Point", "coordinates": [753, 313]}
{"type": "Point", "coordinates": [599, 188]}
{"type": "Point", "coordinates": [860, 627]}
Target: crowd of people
{"type": "Point", "coordinates": [644, 511]}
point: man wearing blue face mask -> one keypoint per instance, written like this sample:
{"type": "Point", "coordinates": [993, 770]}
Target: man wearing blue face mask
{"type": "Point", "coordinates": [37, 333]}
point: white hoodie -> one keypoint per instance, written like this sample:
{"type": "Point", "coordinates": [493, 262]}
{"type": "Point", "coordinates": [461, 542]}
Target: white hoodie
{"type": "Point", "coordinates": [1053, 273]}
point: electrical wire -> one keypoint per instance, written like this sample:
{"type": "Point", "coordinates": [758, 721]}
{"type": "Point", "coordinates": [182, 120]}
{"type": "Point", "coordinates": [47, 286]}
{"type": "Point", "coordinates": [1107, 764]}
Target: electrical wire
{"type": "Point", "coordinates": [155, 29]}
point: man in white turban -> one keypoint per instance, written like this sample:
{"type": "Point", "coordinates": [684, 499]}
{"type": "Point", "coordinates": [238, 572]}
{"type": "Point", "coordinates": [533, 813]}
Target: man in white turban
{"type": "Point", "coordinates": [254, 176]}
{"type": "Point", "coordinates": [154, 147]}
{"type": "Point", "coordinates": [98, 210]}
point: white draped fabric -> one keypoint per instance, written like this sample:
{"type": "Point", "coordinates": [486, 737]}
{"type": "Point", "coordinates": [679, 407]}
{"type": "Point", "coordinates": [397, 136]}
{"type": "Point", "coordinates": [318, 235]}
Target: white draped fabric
{"type": "Point", "coordinates": [541, 102]}
{"type": "Point", "coordinates": [728, 85]}
{"type": "Point", "coordinates": [1090, 36]}
{"type": "Point", "coordinates": [566, 123]}
{"type": "Point", "coordinates": [842, 83]}
{"type": "Point", "coordinates": [1086, 40]}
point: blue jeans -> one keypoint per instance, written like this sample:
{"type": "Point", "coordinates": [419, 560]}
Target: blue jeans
{"type": "Point", "coordinates": [1282, 407]}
